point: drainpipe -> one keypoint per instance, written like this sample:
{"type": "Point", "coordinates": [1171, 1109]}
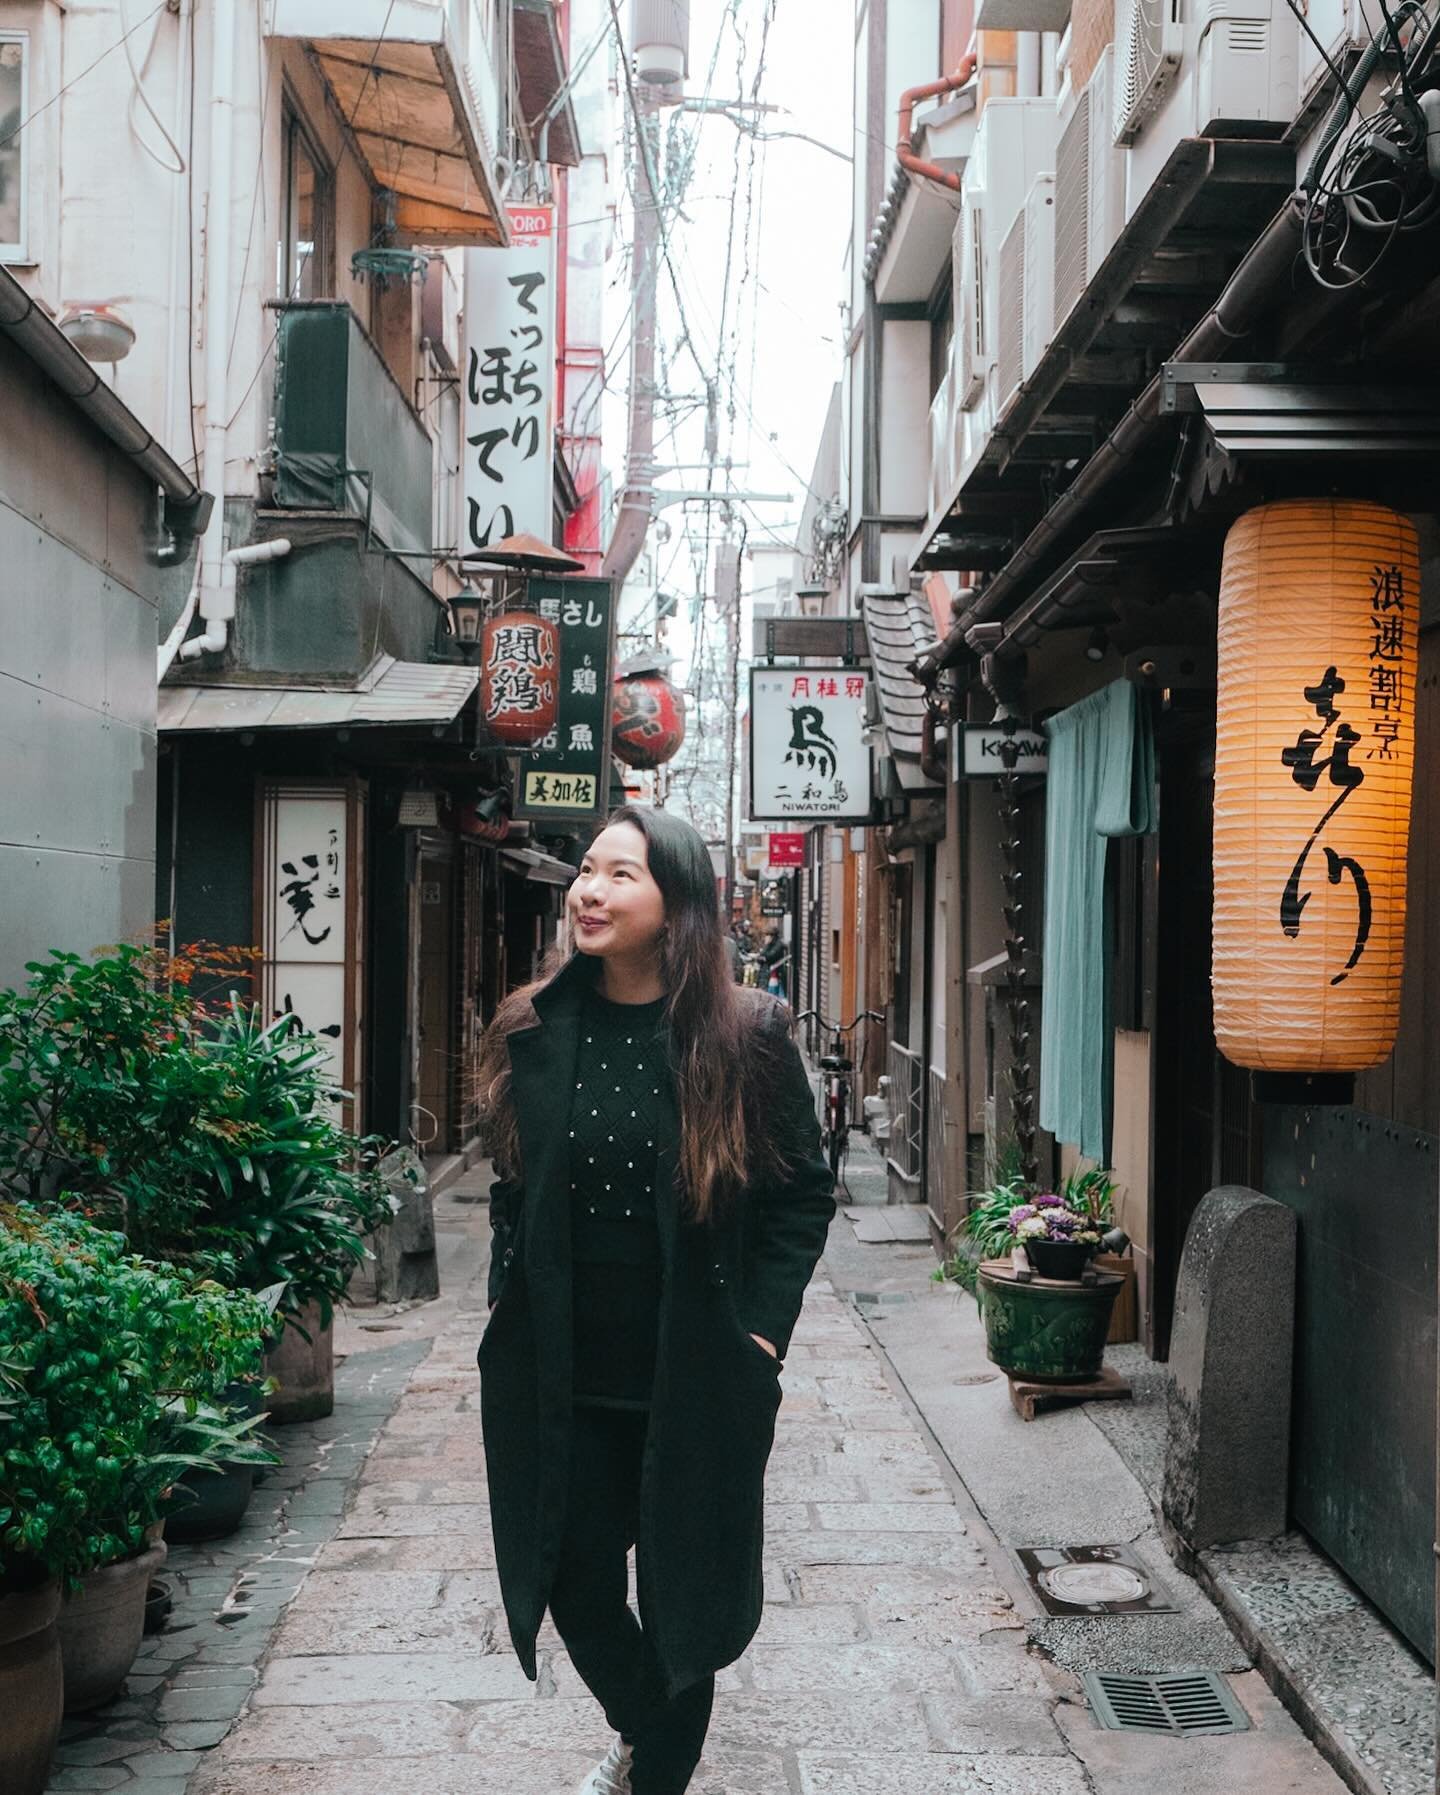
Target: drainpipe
{"type": "Point", "coordinates": [932, 756]}
{"type": "Point", "coordinates": [216, 580]}
{"type": "Point", "coordinates": [215, 637]}
{"type": "Point", "coordinates": [932, 90]}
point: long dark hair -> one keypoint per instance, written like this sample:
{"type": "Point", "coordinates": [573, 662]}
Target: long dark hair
{"type": "Point", "coordinates": [718, 1046]}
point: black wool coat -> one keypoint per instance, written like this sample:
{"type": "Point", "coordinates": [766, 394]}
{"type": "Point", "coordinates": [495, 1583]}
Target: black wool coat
{"type": "Point", "coordinates": [716, 1393]}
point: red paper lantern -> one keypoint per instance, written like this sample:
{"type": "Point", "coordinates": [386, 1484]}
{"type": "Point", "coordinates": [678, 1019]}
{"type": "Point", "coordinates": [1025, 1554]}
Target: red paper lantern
{"type": "Point", "coordinates": [647, 721]}
{"type": "Point", "coordinates": [519, 677]}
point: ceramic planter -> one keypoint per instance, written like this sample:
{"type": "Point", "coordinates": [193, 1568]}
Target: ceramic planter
{"type": "Point", "coordinates": [32, 1687]}
{"type": "Point", "coordinates": [1058, 1258]}
{"type": "Point", "coordinates": [1049, 1332]}
{"type": "Point", "coordinates": [304, 1371]}
{"type": "Point", "coordinates": [101, 1625]}
{"type": "Point", "coordinates": [209, 1504]}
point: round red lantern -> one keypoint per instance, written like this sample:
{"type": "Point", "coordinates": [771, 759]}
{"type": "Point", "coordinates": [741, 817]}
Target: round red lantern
{"type": "Point", "coordinates": [519, 677]}
{"type": "Point", "coordinates": [647, 721]}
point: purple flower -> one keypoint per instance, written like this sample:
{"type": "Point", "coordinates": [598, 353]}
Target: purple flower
{"type": "Point", "coordinates": [1022, 1212]}
{"type": "Point", "coordinates": [1048, 1200]}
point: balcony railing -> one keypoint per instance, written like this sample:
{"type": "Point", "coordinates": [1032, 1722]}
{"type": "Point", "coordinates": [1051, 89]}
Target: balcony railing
{"type": "Point", "coordinates": [346, 438]}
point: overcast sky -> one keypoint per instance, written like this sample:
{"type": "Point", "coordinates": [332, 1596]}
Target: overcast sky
{"type": "Point", "coordinates": [789, 344]}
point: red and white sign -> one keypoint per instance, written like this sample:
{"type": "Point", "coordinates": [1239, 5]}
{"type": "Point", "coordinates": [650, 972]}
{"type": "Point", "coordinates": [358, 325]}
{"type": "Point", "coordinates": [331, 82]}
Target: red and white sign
{"type": "Point", "coordinates": [787, 849]}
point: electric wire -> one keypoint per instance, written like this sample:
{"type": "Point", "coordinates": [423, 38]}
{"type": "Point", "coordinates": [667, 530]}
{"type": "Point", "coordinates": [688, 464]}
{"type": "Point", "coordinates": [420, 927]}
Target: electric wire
{"type": "Point", "coordinates": [60, 92]}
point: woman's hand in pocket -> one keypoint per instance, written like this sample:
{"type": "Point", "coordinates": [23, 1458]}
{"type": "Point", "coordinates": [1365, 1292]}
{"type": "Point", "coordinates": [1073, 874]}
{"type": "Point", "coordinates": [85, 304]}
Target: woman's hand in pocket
{"type": "Point", "coordinates": [762, 1342]}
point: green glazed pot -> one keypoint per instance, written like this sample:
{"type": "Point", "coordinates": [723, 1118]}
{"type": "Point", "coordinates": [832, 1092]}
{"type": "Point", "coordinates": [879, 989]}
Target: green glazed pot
{"type": "Point", "coordinates": [1053, 1333]}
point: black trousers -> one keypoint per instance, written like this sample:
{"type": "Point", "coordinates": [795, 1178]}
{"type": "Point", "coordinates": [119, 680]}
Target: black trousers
{"type": "Point", "coordinates": [590, 1607]}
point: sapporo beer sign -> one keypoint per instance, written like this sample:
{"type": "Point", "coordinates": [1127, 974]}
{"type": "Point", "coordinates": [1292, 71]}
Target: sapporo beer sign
{"type": "Point", "coordinates": [809, 762]}
{"type": "Point", "coordinates": [566, 777]}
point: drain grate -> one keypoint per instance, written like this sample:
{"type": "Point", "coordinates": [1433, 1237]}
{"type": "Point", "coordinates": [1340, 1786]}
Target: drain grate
{"type": "Point", "coordinates": [1189, 1702]}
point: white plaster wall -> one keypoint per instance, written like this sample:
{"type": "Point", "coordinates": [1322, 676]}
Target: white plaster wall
{"type": "Point", "coordinates": [905, 420]}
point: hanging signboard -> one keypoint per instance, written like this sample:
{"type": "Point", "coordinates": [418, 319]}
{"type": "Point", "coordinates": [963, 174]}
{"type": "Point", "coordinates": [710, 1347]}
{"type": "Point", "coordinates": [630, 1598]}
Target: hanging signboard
{"type": "Point", "coordinates": [775, 896]}
{"type": "Point", "coordinates": [510, 382]}
{"type": "Point", "coordinates": [809, 762]}
{"type": "Point", "coordinates": [984, 750]}
{"type": "Point", "coordinates": [566, 776]}
{"type": "Point", "coordinates": [787, 849]}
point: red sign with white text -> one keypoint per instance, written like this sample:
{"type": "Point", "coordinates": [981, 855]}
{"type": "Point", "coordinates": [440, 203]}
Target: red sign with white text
{"type": "Point", "coordinates": [787, 850]}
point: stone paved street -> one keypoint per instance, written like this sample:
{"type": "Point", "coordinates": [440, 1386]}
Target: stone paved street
{"type": "Point", "coordinates": [349, 1641]}
{"type": "Point", "coordinates": [890, 1659]}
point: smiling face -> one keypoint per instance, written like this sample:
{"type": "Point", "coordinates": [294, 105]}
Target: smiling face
{"type": "Point", "coordinates": [615, 905]}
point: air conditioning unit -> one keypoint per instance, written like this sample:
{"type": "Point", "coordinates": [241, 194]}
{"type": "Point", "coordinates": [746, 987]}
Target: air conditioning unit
{"type": "Point", "coordinates": [1234, 73]}
{"type": "Point", "coordinates": [1341, 29]}
{"type": "Point", "coordinates": [1089, 189]}
{"type": "Point", "coordinates": [1038, 300]}
{"type": "Point", "coordinates": [1010, 315]}
{"type": "Point", "coordinates": [943, 431]}
{"type": "Point", "coordinates": [973, 356]}
{"type": "Point", "coordinates": [1149, 42]}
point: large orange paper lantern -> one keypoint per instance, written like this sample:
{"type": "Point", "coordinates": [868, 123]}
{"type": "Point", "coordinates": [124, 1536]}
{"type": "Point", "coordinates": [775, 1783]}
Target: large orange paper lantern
{"type": "Point", "coordinates": [647, 719]}
{"type": "Point", "coordinates": [1314, 750]}
{"type": "Point", "coordinates": [519, 677]}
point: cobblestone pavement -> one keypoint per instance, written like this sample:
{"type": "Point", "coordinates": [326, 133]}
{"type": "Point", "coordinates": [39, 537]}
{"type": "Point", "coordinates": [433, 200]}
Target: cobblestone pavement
{"type": "Point", "coordinates": [889, 1660]}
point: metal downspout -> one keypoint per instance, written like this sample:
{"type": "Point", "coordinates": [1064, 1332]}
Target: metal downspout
{"type": "Point", "coordinates": [904, 136]}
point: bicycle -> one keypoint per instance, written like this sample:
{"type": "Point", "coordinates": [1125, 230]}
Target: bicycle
{"type": "Point", "coordinates": [838, 1070]}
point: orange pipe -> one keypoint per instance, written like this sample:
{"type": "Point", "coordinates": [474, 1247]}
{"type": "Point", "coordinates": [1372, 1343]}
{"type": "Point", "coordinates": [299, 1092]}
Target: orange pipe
{"type": "Point", "coordinates": [905, 146]}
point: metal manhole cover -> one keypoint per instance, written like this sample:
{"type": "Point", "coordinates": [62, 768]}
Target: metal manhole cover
{"type": "Point", "coordinates": [1087, 1585]}
{"type": "Point", "coordinates": [1187, 1702]}
{"type": "Point", "coordinates": [1078, 1580]}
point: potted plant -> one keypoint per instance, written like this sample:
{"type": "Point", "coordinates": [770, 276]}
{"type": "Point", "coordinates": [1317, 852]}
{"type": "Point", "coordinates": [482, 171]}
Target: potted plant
{"type": "Point", "coordinates": [1050, 1326]}
{"type": "Point", "coordinates": [32, 1685]}
{"type": "Point", "coordinates": [119, 1359]}
{"type": "Point", "coordinates": [209, 1137]}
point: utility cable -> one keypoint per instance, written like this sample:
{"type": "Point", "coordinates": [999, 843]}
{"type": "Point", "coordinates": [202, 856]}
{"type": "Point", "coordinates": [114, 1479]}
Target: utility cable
{"type": "Point", "coordinates": [60, 92]}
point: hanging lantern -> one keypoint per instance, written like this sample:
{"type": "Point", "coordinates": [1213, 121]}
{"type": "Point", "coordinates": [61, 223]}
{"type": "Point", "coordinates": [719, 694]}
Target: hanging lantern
{"type": "Point", "coordinates": [647, 720]}
{"type": "Point", "coordinates": [1315, 729]}
{"type": "Point", "coordinates": [519, 677]}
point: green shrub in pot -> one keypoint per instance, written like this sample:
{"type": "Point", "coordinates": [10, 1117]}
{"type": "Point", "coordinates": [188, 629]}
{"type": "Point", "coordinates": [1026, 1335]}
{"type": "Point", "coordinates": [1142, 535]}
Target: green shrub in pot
{"type": "Point", "coordinates": [211, 1138]}
{"type": "Point", "coordinates": [122, 1371]}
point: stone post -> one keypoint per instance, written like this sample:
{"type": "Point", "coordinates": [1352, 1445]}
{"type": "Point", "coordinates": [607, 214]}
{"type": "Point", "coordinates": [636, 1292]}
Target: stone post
{"type": "Point", "coordinates": [1227, 1456]}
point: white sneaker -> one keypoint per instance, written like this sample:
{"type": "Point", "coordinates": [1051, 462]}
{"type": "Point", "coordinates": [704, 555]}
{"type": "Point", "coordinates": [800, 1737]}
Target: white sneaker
{"type": "Point", "coordinates": [611, 1776]}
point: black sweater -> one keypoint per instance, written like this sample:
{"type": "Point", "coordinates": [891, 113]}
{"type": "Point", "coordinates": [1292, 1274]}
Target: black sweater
{"type": "Point", "coordinates": [616, 1120]}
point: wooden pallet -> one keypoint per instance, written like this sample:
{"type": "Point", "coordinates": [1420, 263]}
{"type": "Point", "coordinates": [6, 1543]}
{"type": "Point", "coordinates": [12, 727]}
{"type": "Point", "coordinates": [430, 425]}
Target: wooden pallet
{"type": "Point", "coordinates": [1031, 1398]}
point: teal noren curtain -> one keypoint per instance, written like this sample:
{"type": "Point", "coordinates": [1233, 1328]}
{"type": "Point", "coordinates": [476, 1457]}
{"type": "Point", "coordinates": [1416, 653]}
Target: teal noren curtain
{"type": "Point", "coordinates": [1101, 782]}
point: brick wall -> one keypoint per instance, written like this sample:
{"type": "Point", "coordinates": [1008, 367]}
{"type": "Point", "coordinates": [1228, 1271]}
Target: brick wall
{"type": "Point", "coordinates": [1092, 26]}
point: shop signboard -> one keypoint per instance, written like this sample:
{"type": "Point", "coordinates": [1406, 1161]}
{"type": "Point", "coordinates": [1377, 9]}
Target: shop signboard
{"type": "Point", "coordinates": [510, 382]}
{"type": "Point", "coordinates": [809, 761]}
{"type": "Point", "coordinates": [565, 777]}
{"type": "Point", "coordinates": [984, 747]}
{"type": "Point", "coordinates": [775, 896]}
{"type": "Point", "coordinates": [787, 848]}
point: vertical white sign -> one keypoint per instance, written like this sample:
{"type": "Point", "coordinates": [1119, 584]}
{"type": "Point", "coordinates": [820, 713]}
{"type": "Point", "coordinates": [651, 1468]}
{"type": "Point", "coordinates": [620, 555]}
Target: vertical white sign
{"type": "Point", "coordinates": [809, 762]}
{"type": "Point", "coordinates": [510, 383]}
{"type": "Point", "coordinates": [308, 956]}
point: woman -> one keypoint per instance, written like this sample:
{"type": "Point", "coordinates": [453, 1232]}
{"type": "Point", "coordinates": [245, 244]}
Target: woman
{"type": "Point", "coordinates": [661, 1206]}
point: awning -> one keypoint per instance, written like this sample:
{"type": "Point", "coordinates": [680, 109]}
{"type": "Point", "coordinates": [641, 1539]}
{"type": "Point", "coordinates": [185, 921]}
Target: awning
{"type": "Point", "coordinates": [417, 85]}
{"type": "Point", "coordinates": [539, 868]}
{"type": "Point", "coordinates": [541, 74]}
{"type": "Point", "coordinates": [1275, 418]}
{"type": "Point", "coordinates": [899, 626]}
{"type": "Point", "coordinates": [389, 692]}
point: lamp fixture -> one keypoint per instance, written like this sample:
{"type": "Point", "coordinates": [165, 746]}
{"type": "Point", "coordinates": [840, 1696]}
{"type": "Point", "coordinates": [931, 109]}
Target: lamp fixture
{"type": "Point", "coordinates": [1097, 645]}
{"type": "Point", "coordinates": [811, 600]}
{"type": "Point", "coordinates": [467, 615]}
{"type": "Point", "coordinates": [99, 332]}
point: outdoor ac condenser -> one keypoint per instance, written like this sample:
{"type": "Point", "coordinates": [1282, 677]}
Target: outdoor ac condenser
{"type": "Point", "coordinates": [972, 350]}
{"type": "Point", "coordinates": [1010, 315]}
{"type": "Point", "coordinates": [1089, 188]}
{"type": "Point", "coordinates": [1038, 299]}
{"type": "Point", "coordinates": [1188, 68]}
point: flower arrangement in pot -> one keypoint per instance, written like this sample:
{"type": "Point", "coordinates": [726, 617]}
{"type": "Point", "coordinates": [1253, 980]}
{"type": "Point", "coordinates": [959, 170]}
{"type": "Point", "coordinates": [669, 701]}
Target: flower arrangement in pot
{"type": "Point", "coordinates": [123, 1367]}
{"type": "Point", "coordinates": [1058, 1241]}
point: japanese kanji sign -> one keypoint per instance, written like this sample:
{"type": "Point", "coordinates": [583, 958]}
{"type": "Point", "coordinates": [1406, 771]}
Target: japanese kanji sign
{"type": "Point", "coordinates": [1314, 751]}
{"type": "Point", "coordinates": [808, 760]}
{"type": "Point", "coordinates": [566, 776]}
{"type": "Point", "coordinates": [510, 382]}
{"type": "Point", "coordinates": [787, 849]}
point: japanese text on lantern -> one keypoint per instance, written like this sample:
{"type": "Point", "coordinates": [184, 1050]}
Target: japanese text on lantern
{"type": "Point", "coordinates": [1387, 660]}
{"type": "Point", "coordinates": [1307, 770]}
{"type": "Point", "coordinates": [509, 383]}
{"type": "Point", "coordinates": [520, 670]}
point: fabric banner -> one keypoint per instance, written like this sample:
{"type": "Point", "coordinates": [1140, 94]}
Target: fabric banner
{"type": "Point", "coordinates": [1101, 784]}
